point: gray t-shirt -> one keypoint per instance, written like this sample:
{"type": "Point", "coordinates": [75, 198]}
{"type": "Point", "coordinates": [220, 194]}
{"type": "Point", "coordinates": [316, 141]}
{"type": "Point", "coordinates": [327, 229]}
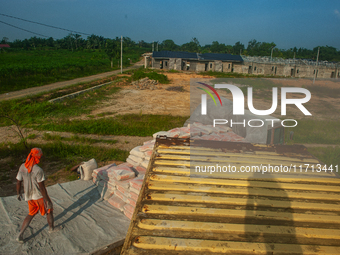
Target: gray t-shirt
{"type": "Point", "coordinates": [31, 180]}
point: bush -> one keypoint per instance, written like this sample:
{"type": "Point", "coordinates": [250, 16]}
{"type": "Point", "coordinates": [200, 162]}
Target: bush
{"type": "Point", "coordinates": [140, 74]}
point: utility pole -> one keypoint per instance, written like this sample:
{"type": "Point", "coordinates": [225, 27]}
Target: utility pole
{"type": "Point", "coordinates": [316, 68]}
{"type": "Point", "coordinates": [121, 54]}
{"type": "Point", "coordinates": [240, 52]}
{"type": "Point", "coordinates": [271, 55]}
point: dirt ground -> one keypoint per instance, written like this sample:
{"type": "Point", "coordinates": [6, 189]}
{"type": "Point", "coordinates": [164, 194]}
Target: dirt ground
{"type": "Point", "coordinates": [158, 101]}
{"type": "Point", "coordinates": [161, 101]}
{"type": "Point", "coordinates": [164, 102]}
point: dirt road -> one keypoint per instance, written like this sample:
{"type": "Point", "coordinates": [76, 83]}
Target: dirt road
{"type": "Point", "coordinates": [61, 84]}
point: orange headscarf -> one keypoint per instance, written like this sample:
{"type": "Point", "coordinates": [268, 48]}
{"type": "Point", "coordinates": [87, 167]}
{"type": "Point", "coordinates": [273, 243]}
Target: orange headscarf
{"type": "Point", "coordinates": [33, 158]}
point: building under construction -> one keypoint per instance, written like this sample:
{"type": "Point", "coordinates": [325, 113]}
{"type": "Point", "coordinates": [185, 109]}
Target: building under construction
{"type": "Point", "coordinates": [197, 62]}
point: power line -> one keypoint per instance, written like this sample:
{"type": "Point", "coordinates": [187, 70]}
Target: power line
{"type": "Point", "coordinates": [23, 29]}
{"type": "Point", "coordinates": [43, 24]}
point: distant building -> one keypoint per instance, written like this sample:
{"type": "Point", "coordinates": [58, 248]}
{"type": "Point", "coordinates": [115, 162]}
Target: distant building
{"type": "Point", "coordinates": [4, 46]}
{"type": "Point", "coordinates": [300, 68]}
{"type": "Point", "coordinates": [197, 62]}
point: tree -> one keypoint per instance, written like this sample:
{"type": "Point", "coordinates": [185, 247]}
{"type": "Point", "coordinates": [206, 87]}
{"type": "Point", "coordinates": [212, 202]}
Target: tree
{"type": "Point", "coordinates": [238, 47]}
{"type": "Point", "coordinates": [169, 45]}
{"type": "Point", "coordinates": [112, 50]}
{"type": "Point", "coordinates": [216, 47]}
{"type": "Point", "coordinates": [326, 53]}
{"type": "Point", "coordinates": [4, 40]}
{"type": "Point", "coordinates": [92, 41]}
{"type": "Point", "coordinates": [76, 37]}
{"type": "Point", "coordinates": [50, 42]}
{"type": "Point", "coordinates": [192, 46]}
{"type": "Point", "coordinates": [253, 46]}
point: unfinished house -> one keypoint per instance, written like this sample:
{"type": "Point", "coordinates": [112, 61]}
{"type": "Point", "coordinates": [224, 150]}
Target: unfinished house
{"type": "Point", "coordinates": [299, 68]}
{"type": "Point", "coordinates": [196, 62]}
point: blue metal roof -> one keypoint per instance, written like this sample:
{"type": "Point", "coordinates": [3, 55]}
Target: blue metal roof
{"type": "Point", "coordinates": [174, 54]}
{"type": "Point", "coordinates": [220, 56]}
{"type": "Point", "coordinates": [196, 56]}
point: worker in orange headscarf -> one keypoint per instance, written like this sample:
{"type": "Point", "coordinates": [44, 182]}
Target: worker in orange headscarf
{"type": "Point", "coordinates": [35, 191]}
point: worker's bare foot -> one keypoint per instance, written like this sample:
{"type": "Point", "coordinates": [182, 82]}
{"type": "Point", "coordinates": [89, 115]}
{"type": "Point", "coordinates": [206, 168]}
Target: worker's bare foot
{"type": "Point", "coordinates": [20, 239]}
{"type": "Point", "coordinates": [56, 229]}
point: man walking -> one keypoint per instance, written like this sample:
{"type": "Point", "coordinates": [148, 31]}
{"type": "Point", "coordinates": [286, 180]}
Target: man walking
{"type": "Point", "coordinates": [35, 191]}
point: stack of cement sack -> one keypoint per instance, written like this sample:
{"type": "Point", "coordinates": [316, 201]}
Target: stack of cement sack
{"type": "Point", "coordinates": [140, 155]}
{"type": "Point", "coordinates": [121, 184]}
{"type": "Point", "coordinates": [126, 195]}
{"type": "Point", "coordinates": [203, 132]}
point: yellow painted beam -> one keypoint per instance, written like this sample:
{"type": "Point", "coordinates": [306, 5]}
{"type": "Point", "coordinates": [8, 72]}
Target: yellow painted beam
{"type": "Point", "coordinates": [302, 159]}
{"type": "Point", "coordinates": [164, 186]}
{"type": "Point", "coordinates": [227, 247]}
{"type": "Point", "coordinates": [172, 170]}
{"type": "Point", "coordinates": [247, 183]}
{"type": "Point", "coordinates": [238, 229]}
{"type": "Point", "coordinates": [171, 197]}
{"type": "Point", "coordinates": [324, 179]}
{"type": "Point", "coordinates": [240, 214]}
{"type": "Point", "coordinates": [236, 159]}
{"type": "Point", "coordinates": [238, 170]}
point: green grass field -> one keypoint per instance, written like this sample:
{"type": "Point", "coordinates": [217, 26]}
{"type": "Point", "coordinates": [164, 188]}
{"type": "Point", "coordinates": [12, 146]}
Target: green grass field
{"type": "Point", "coordinates": [20, 69]}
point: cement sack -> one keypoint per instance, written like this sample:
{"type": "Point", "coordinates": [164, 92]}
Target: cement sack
{"type": "Point", "coordinates": [105, 192]}
{"type": "Point", "coordinates": [128, 215]}
{"type": "Point", "coordinates": [183, 132]}
{"type": "Point", "coordinates": [124, 184]}
{"type": "Point", "coordinates": [133, 163]}
{"type": "Point", "coordinates": [145, 163]}
{"type": "Point", "coordinates": [136, 183]}
{"type": "Point", "coordinates": [87, 168]}
{"type": "Point", "coordinates": [103, 168]}
{"type": "Point", "coordinates": [124, 191]}
{"type": "Point", "coordinates": [129, 208]}
{"type": "Point", "coordinates": [136, 159]}
{"type": "Point", "coordinates": [133, 195]}
{"type": "Point", "coordinates": [102, 183]}
{"type": "Point", "coordinates": [140, 170]}
{"type": "Point", "coordinates": [121, 173]}
{"type": "Point", "coordinates": [121, 195]}
{"type": "Point", "coordinates": [149, 142]}
{"type": "Point", "coordinates": [160, 133]}
{"type": "Point", "coordinates": [116, 202]}
{"type": "Point", "coordinates": [95, 181]}
{"type": "Point", "coordinates": [174, 133]}
{"type": "Point", "coordinates": [195, 131]}
{"type": "Point", "coordinates": [136, 152]}
{"type": "Point", "coordinates": [148, 153]}
{"type": "Point", "coordinates": [208, 128]}
{"type": "Point", "coordinates": [222, 129]}
{"type": "Point", "coordinates": [102, 173]}
{"type": "Point", "coordinates": [133, 190]}
{"type": "Point", "coordinates": [126, 164]}
{"type": "Point", "coordinates": [131, 202]}
{"type": "Point", "coordinates": [147, 147]}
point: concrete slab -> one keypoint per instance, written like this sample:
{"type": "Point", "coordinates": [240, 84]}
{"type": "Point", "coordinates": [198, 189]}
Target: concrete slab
{"type": "Point", "coordinates": [88, 222]}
